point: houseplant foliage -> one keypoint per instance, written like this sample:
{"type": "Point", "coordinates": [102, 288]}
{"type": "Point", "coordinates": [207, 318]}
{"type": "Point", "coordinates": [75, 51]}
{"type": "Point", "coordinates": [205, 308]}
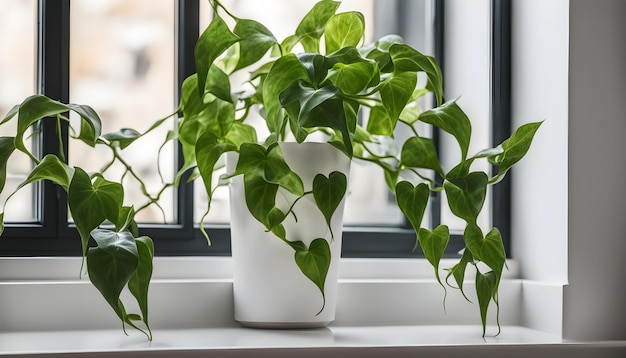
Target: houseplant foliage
{"type": "Point", "coordinates": [119, 258]}
{"type": "Point", "coordinates": [323, 80]}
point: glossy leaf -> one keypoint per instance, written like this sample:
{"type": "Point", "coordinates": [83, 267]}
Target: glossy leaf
{"type": "Point", "coordinates": [488, 249]}
{"type": "Point", "coordinates": [396, 92]}
{"type": "Point", "coordinates": [277, 171]}
{"type": "Point", "coordinates": [90, 124]}
{"type": "Point", "coordinates": [285, 71]}
{"type": "Point", "coordinates": [314, 262]}
{"type": "Point", "coordinates": [328, 193]}
{"type": "Point", "coordinates": [111, 265]}
{"type": "Point", "coordinates": [125, 137]}
{"type": "Point", "coordinates": [451, 118]}
{"type": "Point", "coordinates": [53, 169]}
{"type": "Point", "coordinates": [208, 151]}
{"type": "Point", "coordinates": [260, 198]}
{"type": "Point", "coordinates": [405, 58]}
{"type": "Point", "coordinates": [344, 30]}
{"type": "Point", "coordinates": [352, 78]}
{"type": "Point", "coordinates": [91, 204]}
{"type": "Point", "coordinates": [516, 147]}
{"type": "Point", "coordinates": [139, 283]}
{"type": "Point", "coordinates": [256, 40]}
{"type": "Point", "coordinates": [458, 271]}
{"type": "Point", "coordinates": [216, 39]}
{"type": "Point", "coordinates": [466, 195]}
{"type": "Point", "coordinates": [31, 110]}
{"type": "Point", "coordinates": [412, 201]}
{"type": "Point", "coordinates": [486, 288]}
{"type": "Point", "coordinates": [218, 84]}
{"type": "Point", "coordinates": [420, 152]}
{"type": "Point", "coordinates": [311, 28]}
{"type": "Point", "coordinates": [380, 123]}
{"type": "Point", "coordinates": [7, 147]}
{"type": "Point", "coordinates": [434, 244]}
{"type": "Point", "coordinates": [240, 133]}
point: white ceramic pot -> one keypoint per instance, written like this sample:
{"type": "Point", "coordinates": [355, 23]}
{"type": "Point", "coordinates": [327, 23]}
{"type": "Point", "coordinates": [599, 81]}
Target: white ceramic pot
{"type": "Point", "coordinates": [269, 288]}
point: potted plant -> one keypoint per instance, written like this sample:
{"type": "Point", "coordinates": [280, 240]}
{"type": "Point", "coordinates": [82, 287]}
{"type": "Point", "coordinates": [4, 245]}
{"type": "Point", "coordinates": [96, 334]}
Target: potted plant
{"type": "Point", "coordinates": [323, 82]}
{"type": "Point", "coordinates": [336, 95]}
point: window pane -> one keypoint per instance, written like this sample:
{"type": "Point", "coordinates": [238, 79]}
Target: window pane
{"type": "Point", "coordinates": [18, 25]}
{"type": "Point", "coordinates": [369, 202]}
{"type": "Point", "coordinates": [122, 58]}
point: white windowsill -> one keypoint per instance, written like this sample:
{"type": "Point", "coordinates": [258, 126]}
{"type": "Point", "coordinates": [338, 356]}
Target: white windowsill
{"type": "Point", "coordinates": [392, 305]}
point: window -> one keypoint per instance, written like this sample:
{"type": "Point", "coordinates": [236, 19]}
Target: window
{"type": "Point", "coordinates": [140, 42]}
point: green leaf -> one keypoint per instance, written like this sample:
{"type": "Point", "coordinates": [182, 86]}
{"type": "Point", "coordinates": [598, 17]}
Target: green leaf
{"type": "Point", "coordinates": [486, 288]}
{"type": "Point", "coordinates": [407, 59]}
{"type": "Point", "coordinates": [314, 262]}
{"type": "Point", "coordinates": [380, 123]}
{"type": "Point", "coordinates": [412, 201]}
{"type": "Point", "coordinates": [111, 265]}
{"type": "Point", "coordinates": [240, 133]}
{"type": "Point", "coordinates": [12, 112]}
{"type": "Point", "coordinates": [50, 168]}
{"type": "Point", "coordinates": [139, 283]}
{"type": "Point", "coordinates": [344, 30]}
{"type": "Point", "coordinates": [516, 147]}
{"type": "Point", "coordinates": [434, 244]}
{"type": "Point", "coordinates": [353, 78]}
{"type": "Point", "coordinates": [458, 271]}
{"type": "Point", "coordinates": [311, 28]}
{"type": "Point", "coordinates": [285, 71]}
{"type": "Point", "coordinates": [91, 204]}
{"type": "Point", "coordinates": [260, 198]}
{"type": "Point", "coordinates": [488, 249]}
{"type": "Point", "coordinates": [396, 91]}
{"type": "Point", "coordinates": [419, 152]}
{"type": "Point", "coordinates": [31, 110]}
{"type": "Point", "coordinates": [277, 171]}
{"type": "Point", "coordinates": [7, 147]}
{"type": "Point", "coordinates": [466, 195]}
{"type": "Point", "coordinates": [216, 39]}
{"type": "Point", "coordinates": [90, 124]}
{"type": "Point", "coordinates": [328, 193]}
{"type": "Point", "coordinates": [218, 84]}
{"type": "Point", "coordinates": [208, 151]}
{"type": "Point", "coordinates": [256, 40]}
{"type": "Point", "coordinates": [125, 137]}
{"type": "Point", "coordinates": [451, 118]}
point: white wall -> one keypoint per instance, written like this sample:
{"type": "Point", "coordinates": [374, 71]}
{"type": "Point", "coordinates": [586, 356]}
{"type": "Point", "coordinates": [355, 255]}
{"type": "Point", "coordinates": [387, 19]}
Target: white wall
{"type": "Point", "coordinates": [569, 68]}
{"type": "Point", "coordinates": [594, 302]}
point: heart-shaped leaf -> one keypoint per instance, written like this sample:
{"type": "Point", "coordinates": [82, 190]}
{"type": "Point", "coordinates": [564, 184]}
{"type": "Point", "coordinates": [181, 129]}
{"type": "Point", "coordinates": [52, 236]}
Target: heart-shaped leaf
{"type": "Point", "coordinates": [488, 249]}
{"type": "Point", "coordinates": [285, 71]}
{"type": "Point", "coordinates": [314, 262]}
{"type": "Point", "coordinates": [466, 195]}
{"type": "Point", "coordinates": [344, 30]}
{"type": "Point", "coordinates": [256, 41]}
{"type": "Point", "coordinates": [419, 152]}
{"type": "Point", "coordinates": [396, 92]}
{"type": "Point", "coordinates": [111, 265]}
{"type": "Point", "coordinates": [125, 137]}
{"type": "Point", "coordinates": [412, 201]}
{"type": "Point", "coordinates": [434, 244]}
{"type": "Point", "coordinates": [405, 58]}
{"type": "Point", "coordinates": [91, 204]}
{"type": "Point", "coordinates": [328, 194]}
{"type": "Point", "coordinates": [260, 198]}
{"type": "Point", "coordinates": [311, 28]}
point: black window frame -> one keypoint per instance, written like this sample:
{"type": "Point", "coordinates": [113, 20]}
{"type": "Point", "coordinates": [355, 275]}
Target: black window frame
{"type": "Point", "coordinates": [54, 236]}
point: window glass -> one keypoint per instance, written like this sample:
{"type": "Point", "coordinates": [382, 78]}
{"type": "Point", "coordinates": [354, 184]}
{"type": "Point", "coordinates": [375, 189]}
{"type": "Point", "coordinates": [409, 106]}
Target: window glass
{"type": "Point", "coordinates": [122, 63]}
{"type": "Point", "coordinates": [18, 38]}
